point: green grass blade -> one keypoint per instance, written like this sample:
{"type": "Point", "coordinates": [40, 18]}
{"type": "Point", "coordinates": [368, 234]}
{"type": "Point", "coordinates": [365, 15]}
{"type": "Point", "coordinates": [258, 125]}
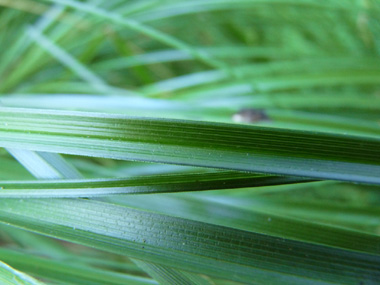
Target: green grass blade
{"type": "Point", "coordinates": [141, 28]}
{"type": "Point", "coordinates": [339, 205]}
{"type": "Point", "coordinates": [67, 272]}
{"type": "Point", "coordinates": [360, 218]}
{"type": "Point", "coordinates": [167, 275]}
{"type": "Point", "coordinates": [165, 56]}
{"type": "Point", "coordinates": [278, 76]}
{"type": "Point", "coordinates": [37, 163]}
{"type": "Point", "coordinates": [225, 210]}
{"type": "Point", "coordinates": [11, 276]}
{"type": "Point", "coordinates": [277, 107]}
{"type": "Point", "coordinates": [181, 8]}
{"type": "Point", "coordinates": [43, 165]}
{"type": "Point", "coordinates": [69, 61]}
{"type": "Point", "coordinates": [139, 185]}
{"type": "Point", "coordinates": [236, 147]}
{"type": "Point", "coordinates": [189, 245]}
{"type": "Point", "coordinates": [43, 246]}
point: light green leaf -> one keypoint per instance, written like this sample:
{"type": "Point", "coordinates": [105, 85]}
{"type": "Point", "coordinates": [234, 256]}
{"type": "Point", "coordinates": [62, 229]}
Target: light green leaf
{"type": "Point", "coordinates": [11, 276]}
{"type": "Point", "coordinates": [44, 165]}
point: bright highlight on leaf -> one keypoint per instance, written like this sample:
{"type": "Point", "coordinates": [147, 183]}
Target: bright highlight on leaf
{"type": "Point", "coordinates": [9, 276]}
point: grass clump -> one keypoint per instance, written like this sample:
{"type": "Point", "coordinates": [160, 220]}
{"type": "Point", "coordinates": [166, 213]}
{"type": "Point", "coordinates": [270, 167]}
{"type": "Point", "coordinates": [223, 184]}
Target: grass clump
{"type": "Point", "coordinates": [189, 142]}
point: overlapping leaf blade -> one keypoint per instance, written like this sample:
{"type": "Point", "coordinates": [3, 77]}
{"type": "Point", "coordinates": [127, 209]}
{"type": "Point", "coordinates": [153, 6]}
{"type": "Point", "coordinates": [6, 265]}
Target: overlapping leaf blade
{"type": "Point", "coordinates": [63, 271]}
{"type": "Point", "coordinates": [139, 185]}
{"type": "Point", "coordinates": [189, 245]}
{"type": "Point", "coordinates": [10, 276]}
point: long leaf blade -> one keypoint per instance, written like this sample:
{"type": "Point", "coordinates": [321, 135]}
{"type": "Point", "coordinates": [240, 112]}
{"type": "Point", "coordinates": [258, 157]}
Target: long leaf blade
{"type": "Point", "coordinates": [139, 185]}
{"type": "Point", "coordinates": [189, 245]}
{"type": "Point", "coordinates": [246, 148]}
